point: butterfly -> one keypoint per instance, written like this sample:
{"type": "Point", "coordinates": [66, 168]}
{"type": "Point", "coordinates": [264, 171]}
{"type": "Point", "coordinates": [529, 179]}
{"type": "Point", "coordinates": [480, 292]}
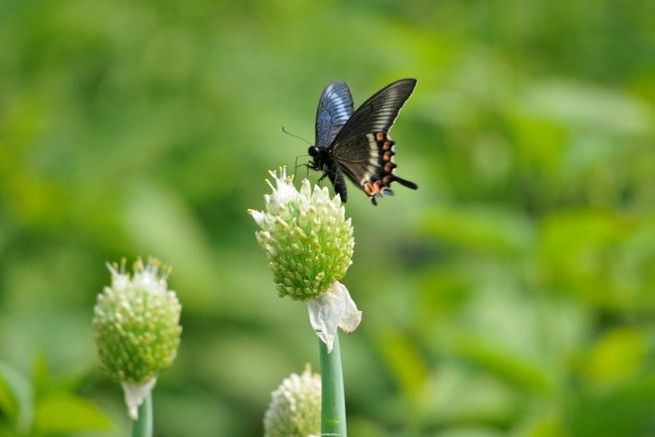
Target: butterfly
{"type": "Point", "coordinates": [357, 144]}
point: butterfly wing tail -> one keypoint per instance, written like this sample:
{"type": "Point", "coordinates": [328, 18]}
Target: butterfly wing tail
{"type": "Point", "coordinates": [405, 182]}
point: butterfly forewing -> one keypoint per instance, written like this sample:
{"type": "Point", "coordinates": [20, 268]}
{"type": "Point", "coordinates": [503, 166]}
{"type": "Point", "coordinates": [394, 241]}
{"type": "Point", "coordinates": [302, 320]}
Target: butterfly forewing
{"type": "Point", "coordinates": [334, 109]}
{"type": "Point", "coordinates": [378, 113]}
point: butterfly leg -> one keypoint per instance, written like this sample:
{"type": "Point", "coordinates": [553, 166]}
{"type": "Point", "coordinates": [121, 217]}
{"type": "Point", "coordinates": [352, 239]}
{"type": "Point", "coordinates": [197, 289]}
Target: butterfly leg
{"type": "Point", "coordinates": [296, 165]}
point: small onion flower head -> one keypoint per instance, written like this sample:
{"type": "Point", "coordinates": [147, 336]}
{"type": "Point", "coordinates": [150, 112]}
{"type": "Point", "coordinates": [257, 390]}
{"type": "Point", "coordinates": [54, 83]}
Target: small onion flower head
{"type": "Point", "coordinates": [295, 408]}
{"type": "Point", "coordinates": [309, 244]}
{"type": "Point", "coordinates": [137, 331]}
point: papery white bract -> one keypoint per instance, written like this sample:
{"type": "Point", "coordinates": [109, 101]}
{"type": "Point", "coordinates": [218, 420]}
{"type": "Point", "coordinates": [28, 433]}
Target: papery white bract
{"type": "Point", "coordinates": [331, 310]}
{"type": "Point", "coordinates": [135, 393]}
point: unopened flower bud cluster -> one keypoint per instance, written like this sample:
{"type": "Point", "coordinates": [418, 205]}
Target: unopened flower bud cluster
{"type": "Point", "coordinates": [295, 408]}
{"type": "Point", "coordinates": [308, 240]}
{"type": "Point", "coordinates": [136, 323]}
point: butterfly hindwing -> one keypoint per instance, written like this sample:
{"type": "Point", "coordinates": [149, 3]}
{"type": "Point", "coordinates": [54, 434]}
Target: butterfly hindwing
{"type": "Point", "coordinates": [370, 164]}
{"type": "Point", "coordinates": [363, 148]}
{"type": "Point", "coordinates": [335, 107]}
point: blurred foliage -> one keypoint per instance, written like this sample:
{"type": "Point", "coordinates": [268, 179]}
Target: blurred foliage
{"type": "Point", "coordinates": [513, 293]}
{"type": "Point", "coordinates": [45, 405]}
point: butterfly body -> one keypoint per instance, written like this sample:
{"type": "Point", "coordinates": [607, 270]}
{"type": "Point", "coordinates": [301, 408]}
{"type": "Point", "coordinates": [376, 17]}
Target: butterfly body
{"type": "Point", "coordinates": [356, 143]}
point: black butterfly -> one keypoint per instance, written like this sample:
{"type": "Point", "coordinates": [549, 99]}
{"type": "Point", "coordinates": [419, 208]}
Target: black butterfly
{"type": "Point", "coordinates": [357, 143]}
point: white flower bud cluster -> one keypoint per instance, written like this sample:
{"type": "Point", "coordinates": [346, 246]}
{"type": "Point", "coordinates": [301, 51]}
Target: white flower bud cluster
{"type": "Point", "coordinates": [137, 329]}
{"type": "Point", "coordinates": [306, 236]}
{"type": "Point", "coordinates": [295, 408]}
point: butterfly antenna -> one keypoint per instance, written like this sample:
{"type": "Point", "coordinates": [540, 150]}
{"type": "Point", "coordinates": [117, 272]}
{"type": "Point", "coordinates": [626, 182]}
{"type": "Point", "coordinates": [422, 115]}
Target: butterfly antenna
{"type": "Point", "coordinates": [295, 136]}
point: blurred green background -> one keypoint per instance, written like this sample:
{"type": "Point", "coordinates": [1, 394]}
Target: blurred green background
{"type": "Point", "coordinates": [512, 294]}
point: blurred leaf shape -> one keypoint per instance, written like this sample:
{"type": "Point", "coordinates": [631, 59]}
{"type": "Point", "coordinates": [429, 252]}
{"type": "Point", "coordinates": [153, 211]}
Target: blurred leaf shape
{"type": "Point", "coordinates": [161, 224]}
{"type": "Point", "coordinates": [64, 412]}
{"type": "Point", "coordinates": [577, 253]}
{"type": "Point", "coordinates": [544, 420]}
{"type": "Point", "coordinates": [541, 142]}
{"type": "Point", "coordinates": [16, 398]}
{"type": "Point", "coordinates": [444, 289]}
{"type": "Point", "coordinates": [470, 431]}
{"type": "Point", "coordinates": [521, 373]}
{"type": "Point", "coordinates": [461, 396]}
{"type": "Point", "coordinates": [480, 228]}
{"type": "Point", "coordinates": [584, 106]}
{"type": "Point", "coordinates": [405, 361]}
{"type": "Point", "coordinates": [626, 410]}
{"type": "Point", "coordinates": [616, 357]}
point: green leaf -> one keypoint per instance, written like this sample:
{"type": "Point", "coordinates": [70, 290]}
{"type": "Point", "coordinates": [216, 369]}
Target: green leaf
{"type": "Point", "coordinates": [521, 373]}
{"type": "Point", "coordinates": [161, 223]}
{"type": "Point", "coordinates": [626, 410]}
{"type": "Point", "coordinates": [616, 357]}
{"type": "Point", "coordinates": [577, 251]}
{"type": "Point", "coordinates": [483, 229]}
{"type": "Point", "coordinates": [16, 397]}
{"type": "Point", "coordinates": [64, 412]}
{"type": "Point", "coordinates": [405, 361]}
{"type": "Point", "coordinates": [577, 105]}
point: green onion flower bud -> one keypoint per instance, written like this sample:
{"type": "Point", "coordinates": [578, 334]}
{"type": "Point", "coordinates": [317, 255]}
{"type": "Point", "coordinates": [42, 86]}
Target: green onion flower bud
{"type": "Point", "coordinates": [309, 244]}
{"type": "Point", "coordinates": [137, 329]}
{"type": "Point", "coordinates": [295, 408]}
{"type": "Point", "coordinates": [306, 236]}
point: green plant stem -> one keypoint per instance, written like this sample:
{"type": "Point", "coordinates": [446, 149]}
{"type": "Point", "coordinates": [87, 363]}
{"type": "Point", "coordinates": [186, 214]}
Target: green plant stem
{"type": "Point", "coordinates": [333, 405]}
{"type": "Point", "coordinates": [142, 427]}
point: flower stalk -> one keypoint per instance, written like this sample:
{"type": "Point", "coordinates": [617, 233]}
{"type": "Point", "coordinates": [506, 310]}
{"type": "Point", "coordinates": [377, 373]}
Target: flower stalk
{"type": "Point", "coordinates": [142, 427]}
{"type": "Point", "coordinates": [333, 405]}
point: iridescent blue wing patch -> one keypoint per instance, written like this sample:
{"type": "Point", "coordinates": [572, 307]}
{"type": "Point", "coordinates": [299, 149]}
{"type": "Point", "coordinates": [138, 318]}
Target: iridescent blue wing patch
{"type": "Point", "coordinates": [334, 109]}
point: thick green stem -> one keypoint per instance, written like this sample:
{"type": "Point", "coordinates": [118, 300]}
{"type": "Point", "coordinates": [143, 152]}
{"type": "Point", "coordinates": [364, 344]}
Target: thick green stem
{"type": "Point", "coordinates": [142, 427]}
{"type": "Point", "coordinates": [333, 405]}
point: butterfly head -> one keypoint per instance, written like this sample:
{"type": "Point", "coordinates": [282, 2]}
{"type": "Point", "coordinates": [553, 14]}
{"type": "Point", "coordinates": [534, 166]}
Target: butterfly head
{"type": "Point", "coordinates": [319, 157]}
{"type": "Point", "coordinates": [313, 151]}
